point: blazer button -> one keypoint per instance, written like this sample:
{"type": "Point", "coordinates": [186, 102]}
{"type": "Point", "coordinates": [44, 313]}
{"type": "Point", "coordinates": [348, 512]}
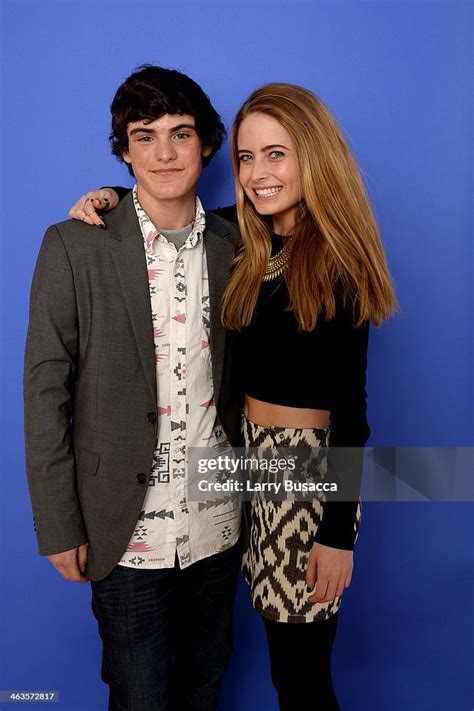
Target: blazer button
{"type": "Point", "coordinates": [142, 478]}
{"type": "Point", "coordinates": [151, 417]}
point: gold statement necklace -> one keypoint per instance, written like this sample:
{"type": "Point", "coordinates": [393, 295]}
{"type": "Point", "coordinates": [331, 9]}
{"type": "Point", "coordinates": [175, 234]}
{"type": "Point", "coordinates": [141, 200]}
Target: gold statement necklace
{"type": "Point", "coordinates": [279, 262]}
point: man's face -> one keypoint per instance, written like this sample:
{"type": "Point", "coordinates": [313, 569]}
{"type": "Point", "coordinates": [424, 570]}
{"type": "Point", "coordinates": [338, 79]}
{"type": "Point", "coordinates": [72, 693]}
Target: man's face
{"type": "Point", "coordinates": [166, 156]}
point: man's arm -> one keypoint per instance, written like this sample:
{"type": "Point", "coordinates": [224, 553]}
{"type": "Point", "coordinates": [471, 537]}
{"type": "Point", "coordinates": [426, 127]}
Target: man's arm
{"type": "Point", "coordinates": [50, 370]}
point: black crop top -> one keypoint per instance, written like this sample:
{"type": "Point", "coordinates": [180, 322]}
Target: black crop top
{"type": "Point", "coordinates": [322, 369]}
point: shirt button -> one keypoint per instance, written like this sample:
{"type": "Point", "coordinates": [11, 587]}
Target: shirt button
{"type": "Point", "coordinates": [151, 417]}
{"type": "Point", "coordinates": [141, 478]}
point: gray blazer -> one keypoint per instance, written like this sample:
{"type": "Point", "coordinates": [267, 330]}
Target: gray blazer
{"type": "Point", "coordinates": [90, 381]}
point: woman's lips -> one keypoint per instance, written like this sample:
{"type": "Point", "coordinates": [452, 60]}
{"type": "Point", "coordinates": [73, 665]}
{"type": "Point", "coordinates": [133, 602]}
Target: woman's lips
{"type": "Point", "coordinates": [267, 193]}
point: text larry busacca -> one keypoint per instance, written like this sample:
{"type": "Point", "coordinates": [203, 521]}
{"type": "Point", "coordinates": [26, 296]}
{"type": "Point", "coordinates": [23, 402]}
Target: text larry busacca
{"type": "Point", "coordinates": [232, 486]}
{"type": "Point", "coordinates": [227, 464]}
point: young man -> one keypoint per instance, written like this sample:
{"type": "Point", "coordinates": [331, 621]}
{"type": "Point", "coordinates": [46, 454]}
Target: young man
{"type": "Point", "coordinates": [123, 373]}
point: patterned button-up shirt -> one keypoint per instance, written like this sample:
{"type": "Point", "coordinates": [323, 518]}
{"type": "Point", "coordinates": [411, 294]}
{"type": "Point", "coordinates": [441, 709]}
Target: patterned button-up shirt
{"type": "Point", "coordinates": [169, 524]}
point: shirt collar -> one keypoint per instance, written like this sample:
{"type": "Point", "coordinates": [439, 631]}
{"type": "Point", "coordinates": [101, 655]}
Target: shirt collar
{"type": "Point", "coordinates": [151, 233]}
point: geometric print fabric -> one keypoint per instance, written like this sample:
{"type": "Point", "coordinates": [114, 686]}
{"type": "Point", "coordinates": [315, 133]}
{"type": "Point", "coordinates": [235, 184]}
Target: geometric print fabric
{"type": "Point", "coordinates": [282, 534]}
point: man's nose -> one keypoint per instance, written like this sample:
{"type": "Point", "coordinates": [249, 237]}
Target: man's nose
{"type": "Point", "coordinates": [165, 151]}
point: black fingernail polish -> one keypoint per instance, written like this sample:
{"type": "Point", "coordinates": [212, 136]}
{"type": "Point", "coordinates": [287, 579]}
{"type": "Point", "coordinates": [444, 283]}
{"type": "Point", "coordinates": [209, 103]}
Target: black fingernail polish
{"type": "Point", "coordinates": [102, 226]}
{"type": "Point", "coordinates": [308, 589]}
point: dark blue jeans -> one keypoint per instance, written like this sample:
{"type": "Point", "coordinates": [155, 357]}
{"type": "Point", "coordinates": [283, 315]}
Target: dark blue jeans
{"type": "Point", "coordinates": [167, 634]}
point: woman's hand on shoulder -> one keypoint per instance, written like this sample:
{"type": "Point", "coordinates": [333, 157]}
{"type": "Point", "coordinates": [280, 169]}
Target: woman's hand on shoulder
{"type": "Point", "coordinates": [328, 573]}
{"type": "Point", "coordinates": [88, 206]}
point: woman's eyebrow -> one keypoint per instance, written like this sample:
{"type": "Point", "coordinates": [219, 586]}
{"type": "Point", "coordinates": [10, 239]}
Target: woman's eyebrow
{"type": "Point", "coordinates": [265, 148]}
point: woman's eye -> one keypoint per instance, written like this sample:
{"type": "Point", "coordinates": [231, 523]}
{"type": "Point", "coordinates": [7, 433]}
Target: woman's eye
{"type": "Point", "coordinates": [276, 154]}
{"type": "Point", "coordinates": [245, 158]}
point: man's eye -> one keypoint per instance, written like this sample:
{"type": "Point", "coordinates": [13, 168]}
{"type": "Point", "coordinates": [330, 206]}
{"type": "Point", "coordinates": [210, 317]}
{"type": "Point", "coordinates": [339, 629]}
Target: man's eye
{"type": "Point", "coordinates": [145, 139]}
{"type": "Point", "coordinates": [182, 136]}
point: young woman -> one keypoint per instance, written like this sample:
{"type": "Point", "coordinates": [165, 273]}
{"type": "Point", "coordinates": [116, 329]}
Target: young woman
{"type": "Point", "coordinates": [308, 277]}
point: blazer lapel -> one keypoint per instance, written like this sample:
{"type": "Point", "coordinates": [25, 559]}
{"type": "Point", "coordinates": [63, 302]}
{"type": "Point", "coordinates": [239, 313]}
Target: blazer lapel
{"type": "Point", "coordinates": [130, 262]}
{"type": "Point", "coordinates": [219, 253]}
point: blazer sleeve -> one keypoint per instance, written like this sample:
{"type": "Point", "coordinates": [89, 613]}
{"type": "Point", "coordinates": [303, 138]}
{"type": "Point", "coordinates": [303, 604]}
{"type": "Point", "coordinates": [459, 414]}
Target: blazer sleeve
{"type": "Point", "coordinates": [349, 431]}
{"type": "Point", "coordinates": [50, 369]}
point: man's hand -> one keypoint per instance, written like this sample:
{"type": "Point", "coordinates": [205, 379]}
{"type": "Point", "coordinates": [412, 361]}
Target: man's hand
{"type": "Point", "coordinates": [330, 569]}
{"type": "Point", "coordinates": [85, 208]}
{"type": "Point", "coordinates": [71, 564]}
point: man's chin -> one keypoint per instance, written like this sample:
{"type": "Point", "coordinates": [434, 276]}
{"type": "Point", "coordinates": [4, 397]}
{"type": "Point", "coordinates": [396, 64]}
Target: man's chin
{"type": "Point", "coordinates": [165, 192]}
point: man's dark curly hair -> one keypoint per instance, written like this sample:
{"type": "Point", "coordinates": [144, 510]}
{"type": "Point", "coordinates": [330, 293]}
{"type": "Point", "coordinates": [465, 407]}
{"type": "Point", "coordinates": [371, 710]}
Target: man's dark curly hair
{"type": "Point", "coordinates": [151, 92]}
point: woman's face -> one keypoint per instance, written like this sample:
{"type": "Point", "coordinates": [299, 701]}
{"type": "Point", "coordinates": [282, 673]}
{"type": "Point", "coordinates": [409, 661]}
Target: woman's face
{"type": "Point", "coordinates": [268, 170]}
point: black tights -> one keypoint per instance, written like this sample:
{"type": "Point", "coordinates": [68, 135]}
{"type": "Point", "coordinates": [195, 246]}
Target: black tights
{"type": "Point", "coordinates": [300, 658]}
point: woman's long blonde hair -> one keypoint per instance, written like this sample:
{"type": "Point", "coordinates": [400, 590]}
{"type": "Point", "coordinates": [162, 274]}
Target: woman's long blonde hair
{"type": "Point", "coordinates": [336, 244]}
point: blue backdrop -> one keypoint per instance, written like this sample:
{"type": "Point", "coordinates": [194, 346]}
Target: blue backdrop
{"type": "Point", "coordinates": [396, 75]}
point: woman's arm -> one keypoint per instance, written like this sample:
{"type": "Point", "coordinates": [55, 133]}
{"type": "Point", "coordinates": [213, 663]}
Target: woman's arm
{"type": "Point", "coordinates": [228, 213]}
{"type": "Point", "coordinates": [330, 563]}
{"type": "Point", "coordinates": [89, 204]}
{"type": "Point", "coordinates": [348, 433]}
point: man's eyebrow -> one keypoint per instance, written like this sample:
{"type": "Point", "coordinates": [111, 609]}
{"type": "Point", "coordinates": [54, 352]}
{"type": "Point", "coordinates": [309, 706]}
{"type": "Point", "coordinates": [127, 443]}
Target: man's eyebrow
{"type": "Point", "coordinates": [265, 148]}
{"type": "Point", "coordinates": [183, 125]}
{"type": "Point", "coordinates": [178, 127]}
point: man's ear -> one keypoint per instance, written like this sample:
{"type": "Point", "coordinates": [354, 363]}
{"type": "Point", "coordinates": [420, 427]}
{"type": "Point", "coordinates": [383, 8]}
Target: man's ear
{"type": "Point", "coordinates": [126, 157]}
{"type": "Point", "coordinates": [206, 151]}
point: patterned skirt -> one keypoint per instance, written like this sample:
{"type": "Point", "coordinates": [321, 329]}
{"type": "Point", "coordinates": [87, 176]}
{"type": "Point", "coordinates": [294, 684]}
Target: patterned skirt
{"type": "Point", "coordinates": [282, 535]}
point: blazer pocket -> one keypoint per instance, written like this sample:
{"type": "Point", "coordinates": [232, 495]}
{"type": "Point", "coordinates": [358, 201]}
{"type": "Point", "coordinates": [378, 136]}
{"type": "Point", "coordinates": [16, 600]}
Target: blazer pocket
{"type": "Point", "coordinates": [87, 462]}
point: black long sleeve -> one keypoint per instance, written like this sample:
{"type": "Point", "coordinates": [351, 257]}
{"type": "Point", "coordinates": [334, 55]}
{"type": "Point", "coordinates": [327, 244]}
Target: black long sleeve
{"type": "Point", "coordinates": [349, 429]}
{"type": "Point", "coordinates": [119, 189]}
{"type": "Point", "coordinates": [228, 213]}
